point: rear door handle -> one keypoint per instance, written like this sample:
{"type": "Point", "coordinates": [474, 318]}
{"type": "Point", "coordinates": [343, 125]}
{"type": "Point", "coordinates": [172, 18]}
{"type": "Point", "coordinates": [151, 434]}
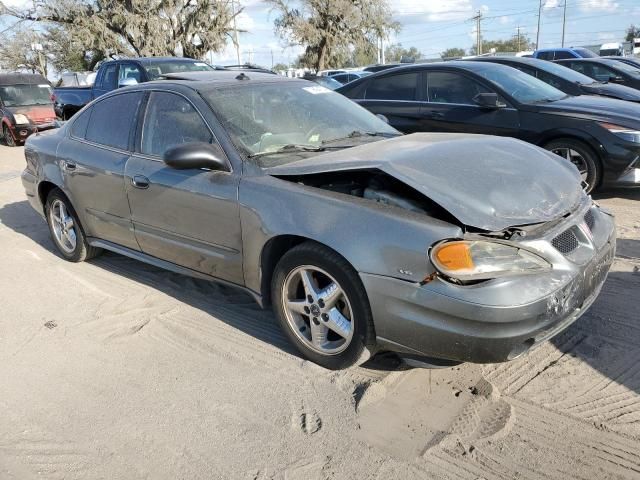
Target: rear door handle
{"type": "Point", "coordinates": [437, 115]}
{"type": "Point", "coordinates": [69, 166]}
{"type": "Point", "coordinates": [140, 181]}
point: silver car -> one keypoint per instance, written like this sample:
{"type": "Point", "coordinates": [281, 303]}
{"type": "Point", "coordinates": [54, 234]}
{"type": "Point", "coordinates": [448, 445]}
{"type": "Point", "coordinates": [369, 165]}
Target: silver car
{"type": "Point", "coordinates": [445, 246]}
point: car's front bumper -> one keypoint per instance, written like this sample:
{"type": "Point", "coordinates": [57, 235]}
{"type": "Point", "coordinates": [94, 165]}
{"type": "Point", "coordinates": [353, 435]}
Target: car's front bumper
{"type": "Point", "coordinates": [22, 132]}
{"type": "Point", "coordinates": [452, 322]}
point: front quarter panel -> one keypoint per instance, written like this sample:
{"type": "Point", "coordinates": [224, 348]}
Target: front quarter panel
{"type": "Point", "coordinates": [374, 238]}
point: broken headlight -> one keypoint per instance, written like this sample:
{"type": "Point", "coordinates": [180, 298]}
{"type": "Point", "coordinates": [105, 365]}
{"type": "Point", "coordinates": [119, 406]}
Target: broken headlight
{"type": "Point", "coordinates": [482, 260]}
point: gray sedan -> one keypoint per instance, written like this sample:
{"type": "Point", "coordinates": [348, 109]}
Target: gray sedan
{"type": "Point", "coordinates": [447, 246]}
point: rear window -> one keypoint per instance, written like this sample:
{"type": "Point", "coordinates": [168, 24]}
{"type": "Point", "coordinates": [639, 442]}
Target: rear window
{"type": "Point", "coordinates": [561, 54]}
{"type": "Point", "coordinates": [585, 53]}
{"type": "Point", "coordinates": [80, 123]}
{"type": "Point", "coordinates": [158, 68]}
{"type": "Point", "coordinates": [545, 55]}
{"type": "Point", "coordinates": [113, 120]}
{"type": "Point", "coordinates": [393, 87]}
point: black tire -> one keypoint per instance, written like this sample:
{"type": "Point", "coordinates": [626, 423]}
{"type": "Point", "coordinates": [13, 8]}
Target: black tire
{"type": "Point", "coordinates": [9, 141]}
{"type": "Point", "coordinates": [82, 251]}
{"type": "Point", "coordinates": [592, 162]}
{"type": "Point", "coordinates": [315, 255]}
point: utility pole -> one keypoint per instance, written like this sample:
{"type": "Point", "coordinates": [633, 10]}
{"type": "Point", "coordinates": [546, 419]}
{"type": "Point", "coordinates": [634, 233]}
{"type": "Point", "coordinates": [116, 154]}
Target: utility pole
{"type": "Point", "coordinates": [478, 18]}
{"type": "Point", "coordinates": [564, 20]}
{"type": "Point", "coordinates": [382, 50]}
{"type": "Point", "coordinates": [518, 29]}
{"type": "Point", "coordinates": [538, 31]}
{"type": "Point", "coordinates": [235, 30]}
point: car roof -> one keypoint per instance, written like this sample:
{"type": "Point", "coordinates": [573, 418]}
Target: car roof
{"type": "Point", "coordinates": [209, 80]}
{"type": "Point", "coordinates": [605, 61]}
{"type": "Point", "coordinates": [560, 49]}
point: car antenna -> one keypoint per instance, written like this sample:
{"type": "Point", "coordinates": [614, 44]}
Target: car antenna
{"type": "Point", "coordinates": [242, 76]}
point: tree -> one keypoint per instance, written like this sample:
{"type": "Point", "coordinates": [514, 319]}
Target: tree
{"type": "Point", "coordinates": [453, 53]}
{"type": "Point", "coordinates": [396, 53]}
{"type": "Point", "coordinates": [141, 27]}
{"type": "Point", "coordinates": [331, 30]}
{"type": "Point", "coordinates": [516, 43]}
{"type": "Point", "coordinates": [280, 67]}
{"type": "Point", "coordinates": [632, 32]}
{"type": "Point", "coordinates": [23, 51]}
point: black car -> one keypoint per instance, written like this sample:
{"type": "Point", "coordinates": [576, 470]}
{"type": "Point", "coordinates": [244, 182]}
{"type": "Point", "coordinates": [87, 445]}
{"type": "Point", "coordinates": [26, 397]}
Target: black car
{"type": "Point", "coordinates": [606, 70]}
{"type": "Point", "coordinates": [565, 79]}
{"type": "Point", "coordinates": [633, 61]}
{"type": "Point", "coordinates": [601, 136]}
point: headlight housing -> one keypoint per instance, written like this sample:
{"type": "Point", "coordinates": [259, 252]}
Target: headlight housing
{"type": "Point", "coordinates": [469, 260]}
{"type": "Point", "coordinates": [21, 119]}
{"type": "Point", "coordinates": [628, 134]}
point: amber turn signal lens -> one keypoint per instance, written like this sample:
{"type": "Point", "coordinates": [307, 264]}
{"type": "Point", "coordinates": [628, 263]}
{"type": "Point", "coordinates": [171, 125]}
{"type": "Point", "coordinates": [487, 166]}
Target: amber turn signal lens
{"type": "Point", "coordinates": [456, 256]}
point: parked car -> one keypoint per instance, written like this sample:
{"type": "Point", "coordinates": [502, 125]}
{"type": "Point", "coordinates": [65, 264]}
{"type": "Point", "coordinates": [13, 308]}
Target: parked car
{"type": "Point", "coordinates": [349, 76]}
{"type": "Point", "coordinates": [606, 70]}
{"type": "Point", "coordinates": [612, 48]}
{"type": "Point", "coordinates": [459, 247]}
{"type": "Point", "coordinates": [25, 106]}
{"type": "Point", "coordinates": [601, 136]}
{"type": "Point", "coordinates": [329, 73]}
{"type": "Point", "coordinates": [114, 74]}
{"type": "Point", "coordinates": [326, 82]}
{"type": "Point", "coordinates": [564, 79]}
{"type": "Point", "coordinates": [633, 61]}
{"type": "Point", "coordinates": [561, 53]}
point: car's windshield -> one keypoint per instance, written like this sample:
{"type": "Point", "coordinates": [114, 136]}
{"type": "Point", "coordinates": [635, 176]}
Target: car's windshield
{"type": "Point", "coordinates": [585, 53]}
{"type": "Point", "coordinates": [279, 116]}
{"type": "Point", "coordinates": [521, 86]}
{"type": "Point", "coordinates": [157, 68]}
{"type": "Point", "coordinates": [564, 72]}
{"type": "Point", "coordinates": [20, 95]}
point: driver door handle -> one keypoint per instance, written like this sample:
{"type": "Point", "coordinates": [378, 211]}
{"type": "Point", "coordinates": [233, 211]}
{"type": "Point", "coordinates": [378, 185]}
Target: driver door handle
{"type": "Point", "coordinates": [140, 181]}
{"type": "Point", "coordinates": [436, 115]}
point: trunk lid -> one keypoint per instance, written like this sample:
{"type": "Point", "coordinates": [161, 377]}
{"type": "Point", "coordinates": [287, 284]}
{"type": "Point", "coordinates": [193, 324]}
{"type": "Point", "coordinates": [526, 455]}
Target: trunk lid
{"type": "Point", "coordinates": [490, 183]}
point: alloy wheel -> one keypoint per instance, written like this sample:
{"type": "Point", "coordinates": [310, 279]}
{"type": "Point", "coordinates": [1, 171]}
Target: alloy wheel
{"type": "Point", "coordinates": [8, 138]}
{"type": "Point", "coordinates": [576, 158]}
{"type": "Point", "coordinates": [317, 310]}
{"type": "Point", "coordinates": [64, 228]}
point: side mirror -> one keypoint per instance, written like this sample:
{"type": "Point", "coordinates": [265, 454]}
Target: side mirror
{"type": "Point", "coordinates": [488, 100]}
{"type": "Point", "coordinates": [127, 82]}
{"type": "Point", "coordinates": [382, 117]}
{"type": "Point", "coordinates": [616, 79]}
{"type": "Point", "coordinates": [196, 155]}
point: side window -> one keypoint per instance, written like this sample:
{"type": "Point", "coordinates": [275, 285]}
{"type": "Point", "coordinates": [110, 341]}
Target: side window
{"type": "Point", "coordinates": [109, 80]}
{"type": "Point", "coordinates": [602, 73]}
{"type": "Point", "coordinates": [546, 55]}
{"type": "Point", "coordinates": [80, 123]}
{"type": "Point", "coordinates": [527, 70]}
{"type": "Point", "coordinates": [171, 120]}
{"type": "Point", "coordinates": [113, 120]}
{"type": "Point", "coordinates": [445, 87]}
{"type": "Point", "coordinates": [129, 71]}
{"type": "Point", "coordinates": [401, 86]}
{"type": "Point", "coordinates": [561, 54]}
{"type": "Point", "coordinates": [550, 79]}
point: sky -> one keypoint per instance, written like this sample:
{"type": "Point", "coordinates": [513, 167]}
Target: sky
{"type": "Point", "coordinates": [435, 25]}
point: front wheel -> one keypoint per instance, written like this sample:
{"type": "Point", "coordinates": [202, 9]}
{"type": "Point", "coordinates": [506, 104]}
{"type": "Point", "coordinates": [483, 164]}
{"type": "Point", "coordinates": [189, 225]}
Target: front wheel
{"type": "Point", "coordinates": [322, 306]}
{"type": "Point", "coordinates": [8, 137]}
{"type": "Point", "coordinates": [582, 156]}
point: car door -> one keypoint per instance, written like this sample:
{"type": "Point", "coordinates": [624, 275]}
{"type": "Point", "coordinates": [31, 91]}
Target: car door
{"type": "Point", "coordinates": [187, 217]}
{"type": "Point", "coordinates": [395, 96]}
{"type": "Point", "coordinates": [93, 158]}
{"type": "Point", "coordinates": [108, 80]}
{"type": "Point", "coordinates": [449, 106]}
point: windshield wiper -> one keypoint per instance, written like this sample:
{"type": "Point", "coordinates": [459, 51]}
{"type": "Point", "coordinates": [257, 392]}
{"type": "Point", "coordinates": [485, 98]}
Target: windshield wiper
{"type": "Point", "coordinates": [356, 134]}
{"type": "Point", "coordinates": [289, 148]}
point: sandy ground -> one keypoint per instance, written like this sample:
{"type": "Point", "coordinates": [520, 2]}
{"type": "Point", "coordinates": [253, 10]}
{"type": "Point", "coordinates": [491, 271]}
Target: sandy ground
{"type": "Point", "coordinates": [113, 369]}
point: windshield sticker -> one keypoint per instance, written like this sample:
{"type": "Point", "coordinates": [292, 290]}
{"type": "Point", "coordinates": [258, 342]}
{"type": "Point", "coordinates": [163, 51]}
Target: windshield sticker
{"type": "Point", "coordinates": [316, 89]}
{"type": "Point", "coordinates": [43, 86]}
{"type": "Point", "coordinates": [200, 64]}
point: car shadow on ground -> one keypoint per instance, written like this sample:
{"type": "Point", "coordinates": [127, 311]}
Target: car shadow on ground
{"type": "Point", "coordinates": [611, 322]}
{"type": "Point", "coordinates": [631, 193]}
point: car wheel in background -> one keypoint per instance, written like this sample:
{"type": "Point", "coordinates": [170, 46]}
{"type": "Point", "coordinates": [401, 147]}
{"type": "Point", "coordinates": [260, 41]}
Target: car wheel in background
{"type": "Point", "coordinates": [582, 156]}
{"type": "Point", "coordinates": [65, 229]}
{"type": "Point", "coordinates": [322, 306]}
{"type": "Point", "coordinates": [8, 138]}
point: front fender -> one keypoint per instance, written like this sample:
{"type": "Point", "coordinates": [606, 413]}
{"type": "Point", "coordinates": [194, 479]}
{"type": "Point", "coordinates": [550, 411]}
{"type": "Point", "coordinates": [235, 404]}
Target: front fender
{"type": "Point", "coordinates": [374, 238]}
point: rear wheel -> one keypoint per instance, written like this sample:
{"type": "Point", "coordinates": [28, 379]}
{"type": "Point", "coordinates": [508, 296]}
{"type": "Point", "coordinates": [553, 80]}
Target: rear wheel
{"type": "Point", "coordinates": [582, 156]}
{"type": "Point", "coordinates": [8, 137]}
{"type": "Point", "coordinates": [65, 229]}
{"type": "Point", "coordinates": [322, 306]}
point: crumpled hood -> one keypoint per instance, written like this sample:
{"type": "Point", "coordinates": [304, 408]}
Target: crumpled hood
{"type": "Point", "coordinates": [490, 183]}
{"type": "Point", "coordinates": [37, 114]}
